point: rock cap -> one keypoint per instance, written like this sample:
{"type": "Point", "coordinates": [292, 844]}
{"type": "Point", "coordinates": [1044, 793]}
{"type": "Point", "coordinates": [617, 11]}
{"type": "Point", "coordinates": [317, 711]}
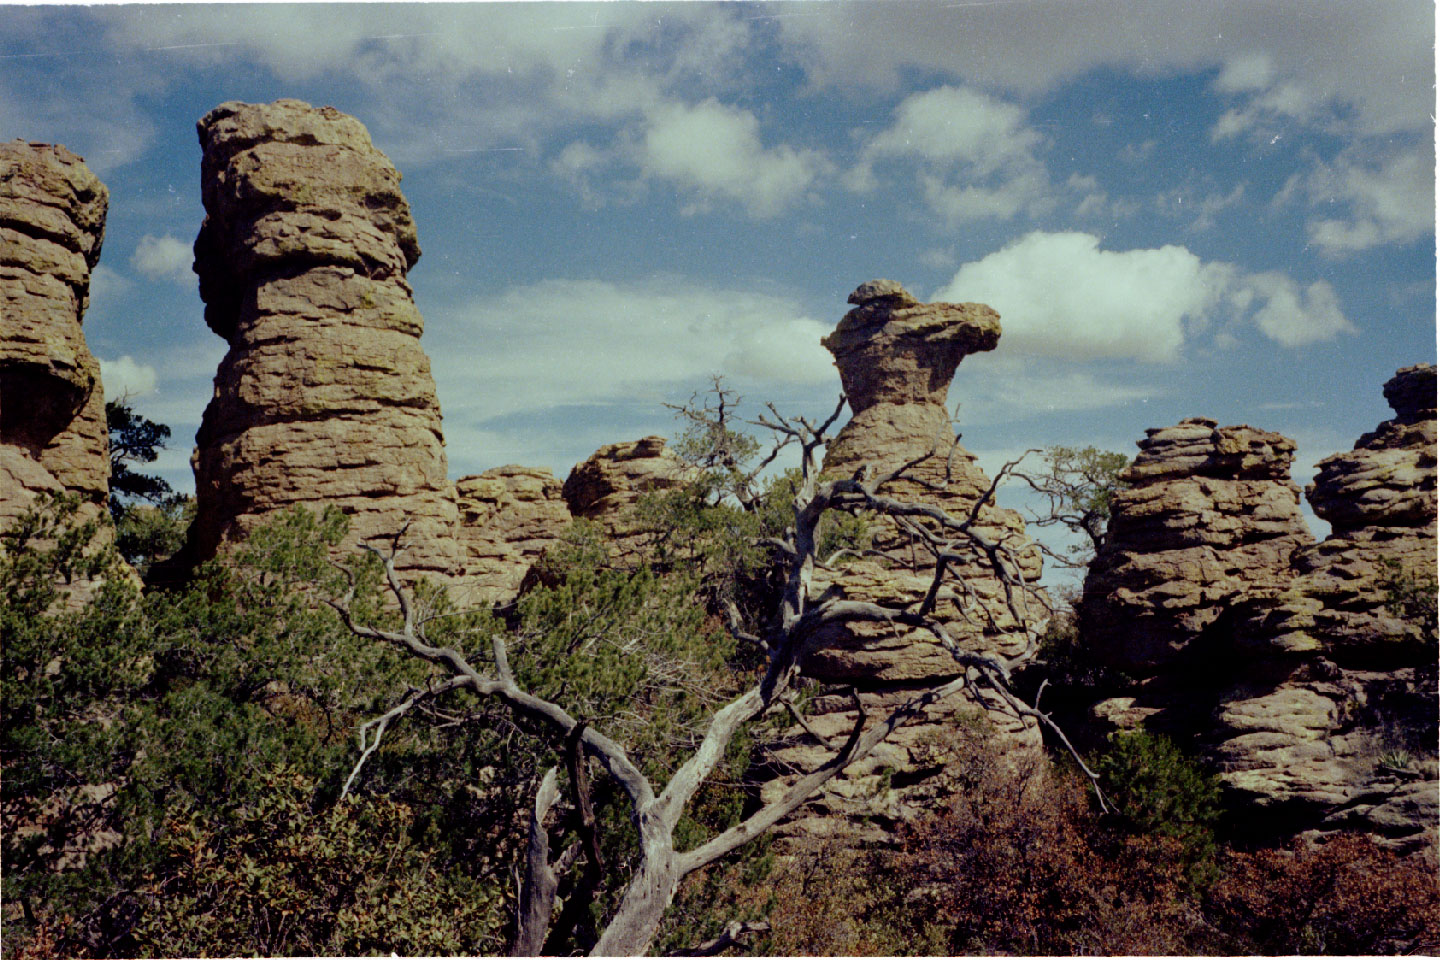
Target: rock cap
{"type": "Point", "coordinates": [1411, 392]}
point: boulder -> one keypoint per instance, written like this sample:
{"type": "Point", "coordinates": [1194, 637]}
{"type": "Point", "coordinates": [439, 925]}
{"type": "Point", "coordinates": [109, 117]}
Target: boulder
{"type": "Point", "coordinates": [509, 517]}
{"type": "Point", "coordinates": [607, 487]}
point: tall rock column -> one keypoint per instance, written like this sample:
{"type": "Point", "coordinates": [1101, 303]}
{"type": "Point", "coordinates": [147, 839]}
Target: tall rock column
{"type": "Point", "coordinates": [325, 396]}
{"type": "Point", "coordinates": [53, 436]}
{"type": "Point", "coordinates": [896, 358]}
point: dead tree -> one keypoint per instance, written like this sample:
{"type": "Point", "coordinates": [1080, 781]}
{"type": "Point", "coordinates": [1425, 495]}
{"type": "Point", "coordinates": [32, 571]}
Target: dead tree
{"type": "Point", "coordinates": [660, 867]}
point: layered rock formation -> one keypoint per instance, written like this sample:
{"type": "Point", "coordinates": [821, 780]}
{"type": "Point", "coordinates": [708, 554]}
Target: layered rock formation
{"type": "Point", "coordinates": [1337, 729]}
{"type": "Point", "coordinates": [1292, 666]}
{"type": "Point", "coordinates": [1209, 515]}
{"type": "Point", "coordinates": [509, 517]}
{"type": "Point", "coordinates": [325, 396]}
{"type": "Point", "coordinates": [53, 436]}
{"type": "Point", "coordinates": [606, 488]}
{"type": "Point", "coordinates": [896, 359]}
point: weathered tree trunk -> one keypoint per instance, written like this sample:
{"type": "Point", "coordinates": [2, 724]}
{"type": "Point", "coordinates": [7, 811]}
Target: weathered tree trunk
{"type": "Point", "coordinates": [647, 898]}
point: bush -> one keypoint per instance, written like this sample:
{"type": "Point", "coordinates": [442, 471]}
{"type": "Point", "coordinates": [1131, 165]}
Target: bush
{"type": "Point", "coordinates": [1344, 896]}
{"type": "Point", "coordinates": [1159, 792]}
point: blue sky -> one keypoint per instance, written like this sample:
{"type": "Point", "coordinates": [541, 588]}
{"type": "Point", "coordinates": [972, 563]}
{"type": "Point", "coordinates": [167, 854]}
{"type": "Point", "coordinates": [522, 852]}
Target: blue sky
{"type": "Point", "coordinates": [1222, 208]}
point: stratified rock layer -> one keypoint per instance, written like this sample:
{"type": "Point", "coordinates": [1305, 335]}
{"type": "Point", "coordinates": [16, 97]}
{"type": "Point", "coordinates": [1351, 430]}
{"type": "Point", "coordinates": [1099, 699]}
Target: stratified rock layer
{"type": "Point", "coordinates": [509, 517]}
{"type": "Point", "coordinates": [896, 359]}
{"type": "Point", "coordinates": [1339, 730]}
{"type": "Point", "coordinates": [53, 436]}
{"type": "Point", "coordinates": [1289, 665]}
{"type": "Point", "coordinates": [325, 396]}
{"type": "Point", "coordinates": [1209, 515]}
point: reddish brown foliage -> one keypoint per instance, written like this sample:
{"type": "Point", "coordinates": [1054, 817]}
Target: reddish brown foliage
{"type": "Point", "coordinates": [1346, 896]}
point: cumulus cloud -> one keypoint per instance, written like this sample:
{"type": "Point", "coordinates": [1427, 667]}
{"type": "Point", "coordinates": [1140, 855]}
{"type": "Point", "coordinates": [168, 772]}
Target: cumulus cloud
{"type": "Point", "coordinates": [127, 377]}
{"type": "Point", "coordinates": [1059, 294]}
{"type": "Point", "coordinates": [562, 342]}
{"type": "Point", "coordinates": [163, 258]}
{"type": "Point", "coordinates": [715, 151]}
{"type": "Point", "coordinates": [1293, 317]}
{"type": "Point", "coordinates": [1390, 201]}
{"type": "Point", "coordinates": [975, 154]}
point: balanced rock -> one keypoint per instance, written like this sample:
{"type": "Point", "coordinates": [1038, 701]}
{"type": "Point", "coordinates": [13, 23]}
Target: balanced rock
{"type": "Point", "coordinates": [325, 396]}
{"type": "Point", "coordinates": [896, 358]}
{"type": "Point", "coordinates": [53, 435]}
{"type": "Point", "coordinates": [509, 517]}
{"type": "Point", "coordinates": [1208, 515]}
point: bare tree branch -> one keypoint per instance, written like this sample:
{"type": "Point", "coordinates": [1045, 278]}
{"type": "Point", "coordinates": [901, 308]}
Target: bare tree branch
{"type": "Point", "coordinates": [734, 935]}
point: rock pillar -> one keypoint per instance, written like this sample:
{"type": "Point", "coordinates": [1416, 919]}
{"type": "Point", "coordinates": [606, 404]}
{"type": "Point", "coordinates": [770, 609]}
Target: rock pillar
{"type": "Point", "coordinates": [53, 436]}
{"type": "Point", "coordinates": [896, 358]}
{"type": "Point", "coordinates": [325, 396]}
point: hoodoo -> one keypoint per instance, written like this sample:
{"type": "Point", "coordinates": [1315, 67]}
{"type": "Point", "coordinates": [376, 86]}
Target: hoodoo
{"type": "Point", "coordinates": [1208, 515]}
{"type": "Point", "coordinates": [325, 396]}
{"type": "Point", "coordinates": [53, 436]}
{"type": "Point", "coordinates": [896, 358]}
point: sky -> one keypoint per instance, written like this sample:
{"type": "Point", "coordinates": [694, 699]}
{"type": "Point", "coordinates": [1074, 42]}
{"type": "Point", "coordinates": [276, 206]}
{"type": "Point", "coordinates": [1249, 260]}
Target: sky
{"type": "Point", "coordinates": [1221, 209]}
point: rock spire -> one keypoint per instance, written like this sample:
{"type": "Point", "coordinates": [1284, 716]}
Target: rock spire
{"type": "Point", "coordinates": [1209, 514]}
{"type": "Point", "coordinates": [53, 435]}
{"type": "Point", "coordinates": [325, 395]}
{"type": "Point", "coordinates": [1290, 665]}
{"type": "Point", "coordinates": [896, 358]}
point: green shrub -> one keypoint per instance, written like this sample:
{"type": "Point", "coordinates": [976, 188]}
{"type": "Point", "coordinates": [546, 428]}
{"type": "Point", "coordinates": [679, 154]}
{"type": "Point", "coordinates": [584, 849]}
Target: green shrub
{"type": "Point", "coordinates": [1160, 792]}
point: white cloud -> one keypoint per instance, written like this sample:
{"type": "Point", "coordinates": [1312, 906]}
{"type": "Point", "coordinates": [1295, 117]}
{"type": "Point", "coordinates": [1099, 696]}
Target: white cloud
{"type": "Point", "coordinates": [127, 378]}
{"type": "Point", "coordinates": [958, 124]}
{"type": "Point", "coordinates": [1392, 201]}
{"type": "Point", "coordinates": [1367, 62]}
{"type": "Point", "coordinates": [163, 258]}
{"type": "Point", "coordinates": [715, 150]}
{"type": "Point", "coordinates": [1246, 72]}
{"type": "Point", "coordinates": [1059, 294]}
{"type": "Point", "coordinates": [1292, 317]}
{"type": "Point", "coordinates": [562, 342]}
{"type": "Point", "coordinates": [975, 155]}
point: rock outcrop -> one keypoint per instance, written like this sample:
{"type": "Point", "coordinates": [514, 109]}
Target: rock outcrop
{"type": "Point", "coordinates": [1291, 666]}
{"type": "Point", "coordinates": [607, 487]}
{"type": "Point", "coordinates": [53, 436]}
{"type": "Point", "coordinates": [1337, 729]}
{"type": "Point", "coordinates": [896, 359]}
{"type": "Point", "coordinates": [1209, 515]}
{"type": "Point", "coordinates": [509, 517]}
{"type": "Point", "coordinates": [325, 396]}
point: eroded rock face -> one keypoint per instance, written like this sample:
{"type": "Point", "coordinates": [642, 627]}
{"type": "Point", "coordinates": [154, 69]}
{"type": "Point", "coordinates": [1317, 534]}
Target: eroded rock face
{"type": "Point", "coordinates": [606, 487]}
{"type": "Point", "coordinates": [896, 358]}
{"type": "Point", "coordinates": [1300, 680]}
{"type": "Point", "coordinates": [509, 517]}
{"type": "Point", "coordinates": [325, 396]}
{"type": "Point", "coordinates": [1209, 516]}
{"type": "Point", "coordinates": [53, 435]}
{"type": "Point", "coordinates": [1340, 730]}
